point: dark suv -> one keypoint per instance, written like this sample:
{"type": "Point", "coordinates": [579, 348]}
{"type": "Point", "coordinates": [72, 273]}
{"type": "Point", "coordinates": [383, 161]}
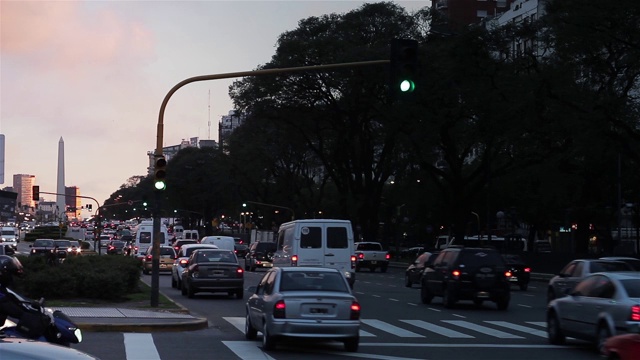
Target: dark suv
{"type": "Point", "coordinates": [259, 254]}
{"type": "Point", "coordinates": [460, 273]}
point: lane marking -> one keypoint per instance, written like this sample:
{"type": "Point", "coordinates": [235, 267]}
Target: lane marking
{"type": "Point", "coordinates": [247, 350]}
{"type": "Point", "coordinates": [392, 329]}
{"type": "Point", "coordinates": [483, 329]}
{"type": "Point", "coordinates": [140, 346]}
{"type": "Point", "coordinates": [521, 328]}
{"type": "Point", "coordinates": [440, 330]}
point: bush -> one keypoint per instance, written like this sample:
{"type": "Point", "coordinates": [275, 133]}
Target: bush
{"type": "Point", "coordinates": [92, 277]}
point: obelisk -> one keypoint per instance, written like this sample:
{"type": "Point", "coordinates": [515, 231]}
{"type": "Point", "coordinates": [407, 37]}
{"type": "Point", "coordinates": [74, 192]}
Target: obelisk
{"type": "Point", "coordinates": [60, 199]}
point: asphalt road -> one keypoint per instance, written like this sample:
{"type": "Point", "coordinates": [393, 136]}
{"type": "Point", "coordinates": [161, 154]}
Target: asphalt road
{"type": "Point", "coordinates": [396, 326]}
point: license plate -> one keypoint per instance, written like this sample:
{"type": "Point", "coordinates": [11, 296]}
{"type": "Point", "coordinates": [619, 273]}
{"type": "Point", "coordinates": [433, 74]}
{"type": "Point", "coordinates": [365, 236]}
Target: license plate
{"type": "Point", "coordinates": [318, 311]}
{"type": "Point", "coordinates": [216, 273]}
{"type": "Point", "coordinates": [267, 265]}
{"type": "Point", "coordinates": [162, 266]}
{"type": "Point", "coordinates": [513, 279]}
{"type": "Point", "coordinates": [374, 262]}
{"type": "Point", "coordinates": [482, 294]}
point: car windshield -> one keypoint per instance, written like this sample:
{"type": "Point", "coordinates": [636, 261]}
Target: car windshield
{"type": "Point", "coordinates": [118, 243]}
{"type": "Point", "coordinates": [604, 266]}
{"type": "Point", "coordinates": [479, 258]}
{"type": "Point", "coordinates": [632, 286]}
{"type": "Point", "coordinates": [189, 250]}
{"type": "Point", "coordinates": [216, 256]}
{"type": "Point", "coordinates": [369, 247]}
{"type": "Point", "coordinates": [8, 232]}
{"type": "Point", "coordinates": [43, 243]}
{"type": "Point", "coordinates": [63, 243]}
{"type": "Point", "coordinates": [312, 281]}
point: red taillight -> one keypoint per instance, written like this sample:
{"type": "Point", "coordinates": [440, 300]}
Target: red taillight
{"type": "Point", "coordinates": [455, 274]}
{"type": "Point", "coordinates": [183, 262]}
{"type": "Point", "coordinates": [527, 269]}
{"type": "Point", "coordinates": [387, 256]}
{"type": "Point", "coordinates": [148, 257]}
{"type": "Point", "coordinates": [239, 272]}
{"type": "Point", "coordinates": [355, 311]}
{"type": "Point", "coordinates": [635, 313]}
{"type": "Point", "coordinates": [353, 261]}
{"type": "Point", "coordinates": [360, 256]}
{"type": "Point", "coordinates": [294, 260]}
{"type": "Point", "coordinates": [177, 248]}
{"type": "Point", "coordinates": [508, 274]}
{"type": "Point", "coordinates": [279, 310]}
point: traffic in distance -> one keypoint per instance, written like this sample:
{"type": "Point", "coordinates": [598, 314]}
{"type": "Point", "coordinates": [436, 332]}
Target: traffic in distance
{"type": "Point", "coordinates": [289, 298]}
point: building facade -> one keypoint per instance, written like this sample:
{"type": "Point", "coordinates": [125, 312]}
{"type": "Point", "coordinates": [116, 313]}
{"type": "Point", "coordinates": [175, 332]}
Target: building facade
{"type": "Point", "coordinates": [73, 204]}
{"type": "Point", "coordinates": [23, 185]}
{"type": "Point", "coordinates": [461, 13]}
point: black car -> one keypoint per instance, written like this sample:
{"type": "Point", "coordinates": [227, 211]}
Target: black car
{"type": "Point", "coordinates": [411, 253]}
{"type": "Point", "coordinates": [467, 273]}
{"type": "Point", "coordinates": [413, 274]}
{"type": "Point", "coordinates": [260, 254]}
{"type": "Point", "coordinates": [63, 247]}
{"type": "Point", "coordinates": [241, 250]}
{"type": "Point", "coordinates": [116, 247]}
{"type": "Point", "coordinates": [42, 247]}
{"type": "Point", "coordinates": [520, 271]}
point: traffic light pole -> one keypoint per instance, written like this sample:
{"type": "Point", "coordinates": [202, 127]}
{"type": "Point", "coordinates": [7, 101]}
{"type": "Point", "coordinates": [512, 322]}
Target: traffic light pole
{"type": "Point", "coordinates": [155, 289]}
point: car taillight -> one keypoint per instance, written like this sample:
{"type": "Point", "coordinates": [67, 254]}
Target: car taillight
{"type": "Point", "coordinates": [355, 311]}
{"type": "Point", "coordinates": [239, 272]}
{"type": "Point", "coordinates": [294, 260]}
{"type": "Point", "coordinates": [455, 274]}
{"type": "Point", "coordinates": [353, 261]}
{"type": "Point", "coordinates": [183, 262]}
{"type": "Point", "coordinates": [387, 256]}
{"type": "Point", "coordinates": [279, 310]}
{"type": "Point", "coordinates": [177, 248]}
{"type": "Point", "coordinates": [527, 269]}
{"type": "Point", "coordinates": [635, 313]}
{"type": "Point", "coordinates": [508, 274]}
{"type": "Point", "coordinates": [360, 255]}
{"type": "Point", "coordinates": [111, 247]}
{"type": "Point", "coordinates": [148, 257]}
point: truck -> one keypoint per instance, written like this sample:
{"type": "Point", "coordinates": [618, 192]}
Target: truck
{"type": "Point", "coordinates": [371, 255]}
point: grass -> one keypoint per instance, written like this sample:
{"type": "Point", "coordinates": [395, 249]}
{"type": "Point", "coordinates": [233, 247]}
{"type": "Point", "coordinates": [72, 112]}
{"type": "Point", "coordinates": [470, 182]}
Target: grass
{"type": "Point", "coordinates": [137, 300]}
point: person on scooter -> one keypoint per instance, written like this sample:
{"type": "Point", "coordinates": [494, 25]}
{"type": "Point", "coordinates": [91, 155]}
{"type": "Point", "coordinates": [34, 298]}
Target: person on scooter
{"type": "Point", "coordinates": [9, 304]}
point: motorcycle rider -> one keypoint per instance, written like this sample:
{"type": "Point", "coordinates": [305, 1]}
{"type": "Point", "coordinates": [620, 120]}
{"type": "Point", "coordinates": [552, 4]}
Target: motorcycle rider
{"type": "Point", "coordinates": [9, 304]}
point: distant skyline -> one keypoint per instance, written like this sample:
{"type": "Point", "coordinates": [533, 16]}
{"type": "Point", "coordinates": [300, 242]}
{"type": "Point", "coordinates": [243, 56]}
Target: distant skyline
{"type": "Point", "coordinates": [96, 72]}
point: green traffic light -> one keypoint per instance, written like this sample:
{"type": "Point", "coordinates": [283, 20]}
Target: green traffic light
{"type": "Point", "coordinates": [407, 86]}
{"type": "Point", "coordinates": [160, 185]}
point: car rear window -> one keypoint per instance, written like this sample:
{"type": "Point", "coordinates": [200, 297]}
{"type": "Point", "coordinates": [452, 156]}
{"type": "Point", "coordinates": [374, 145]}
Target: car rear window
{"type": "Point", "coordinates": [603, 266]}
{"type": "Point", "coordinates": [474, 258]}
{"type": "Point", "coordinates": [312, 281]}
{"type": "Point", "coordinates": [43, 243]}
{"type": "Point", "coordinates": [369, 247]}
{"type": "Point", "coordinates": [632, 286]}
{"type": "Point", "coordinates": [265, 247]}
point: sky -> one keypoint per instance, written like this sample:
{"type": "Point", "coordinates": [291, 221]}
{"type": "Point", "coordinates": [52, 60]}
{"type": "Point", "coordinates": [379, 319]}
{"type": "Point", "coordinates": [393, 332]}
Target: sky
{"type": "Point", "coordinates": [94, 73]}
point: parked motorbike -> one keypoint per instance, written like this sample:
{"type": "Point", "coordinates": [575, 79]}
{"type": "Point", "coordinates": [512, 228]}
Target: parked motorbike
{"type": "Point", "coordinates": [44, 324]}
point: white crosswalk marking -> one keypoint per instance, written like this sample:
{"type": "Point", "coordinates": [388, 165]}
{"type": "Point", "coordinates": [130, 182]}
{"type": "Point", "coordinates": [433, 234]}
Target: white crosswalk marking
{"type": "Point", "coordinates": [392, 329]}
{"type": "Point", "coordinates": [438, 329]}
{"type": "Point", "coordinates": [483, 329]}
{"type": "Point", "coordinates": [236, 321]}
{"type": "Point", "coordinates": [517, 327]}
{"type": "Point", "coordinates": [537, 323]}
{"type": "Point", "coordinates": [140, 346]}
{"type": "Point", "coordinates": [247, 350]}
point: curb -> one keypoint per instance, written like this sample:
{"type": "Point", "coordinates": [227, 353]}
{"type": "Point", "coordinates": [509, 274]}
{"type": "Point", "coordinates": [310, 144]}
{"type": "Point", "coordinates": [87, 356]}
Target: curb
{"type": "Point", "coordinates": [92, 326]}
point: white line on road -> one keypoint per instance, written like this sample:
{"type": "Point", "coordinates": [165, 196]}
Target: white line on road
{"type": "Point", "coordinates": [383, 326]}
{"type": "Point", "coordinates": [460, 316]}
{"type": "Point", "coordinates": [438, 329]}
{"type": "Point", "coordinates": [247, 350]}
{"type": "Point", "coordinates": [392, 299]}
{"type": "Point", "coordinates": [521, 328]}
{"type": "Point", "coordinates": [526, 306]}
{"type": "Point", "coordinates": [140, 346]}
{"type": "Point", "coordinates": [483, 329]}
{"type": "Point", "coordinates": [458, 345]}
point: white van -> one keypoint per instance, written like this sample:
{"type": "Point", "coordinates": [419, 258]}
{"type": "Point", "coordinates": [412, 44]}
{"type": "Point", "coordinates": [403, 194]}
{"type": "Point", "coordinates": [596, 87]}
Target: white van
{"type": "Point", "coordinates": [222, 242]}
{"type": "Point", "coordinates": [190, 235]}
{"type": "Point", "coordinates": [144, 236]}
{"type": "Point", "coordinates": [10, 236]}
{"type": "Point", "coordinates": [317, 242]}
{"type": "Point", "coordinates": [178, 231]}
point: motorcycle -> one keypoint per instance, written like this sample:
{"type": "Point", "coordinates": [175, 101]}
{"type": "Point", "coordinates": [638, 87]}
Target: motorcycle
{"type": "Point", "coordinates": [44, 324]}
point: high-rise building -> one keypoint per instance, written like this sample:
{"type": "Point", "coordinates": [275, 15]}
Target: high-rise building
{"type": "Point", "coordinates": [228, 123]}
{"type": "Point", "coordinates": [456, 14]}
{"type": "Point", "coordinates": [73, 203]}
{"type": "Point", "coordinates": [23, 185]}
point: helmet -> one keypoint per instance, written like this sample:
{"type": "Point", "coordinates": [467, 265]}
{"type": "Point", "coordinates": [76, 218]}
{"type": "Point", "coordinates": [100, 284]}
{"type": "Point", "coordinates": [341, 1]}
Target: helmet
{"type": "Point", "coordinates": [9, 266]}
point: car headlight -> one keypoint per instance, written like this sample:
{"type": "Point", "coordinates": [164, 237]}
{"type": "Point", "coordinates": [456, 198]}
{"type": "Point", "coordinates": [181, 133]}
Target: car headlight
{"type": "Point", "coordinates": [347, 274]}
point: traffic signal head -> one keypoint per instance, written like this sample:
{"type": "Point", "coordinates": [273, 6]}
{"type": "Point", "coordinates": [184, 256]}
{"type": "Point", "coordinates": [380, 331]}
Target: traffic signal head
{"type": "Point", "coordinates": [160, 173]}
{"type": "Point", "coordinates": [404, 66]}
{"type": "Point", "coordinates": [36, 192]}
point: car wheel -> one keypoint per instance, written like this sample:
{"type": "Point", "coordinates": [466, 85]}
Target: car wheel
{"type": "Point", "coordinates": [407, 281]}
{"type": "Point", "coordinates": [268, 342]}
{"type": "Point", "coordinates": [183, 289]}
{"type": "Point", "coordinates": [425, 295]}
{"type": "Point", "coordinates": [191, 292]}
{"type": "Point", "coordinates": [448, 298]}
{"type": "Point", "coordinates": [503, 303]}
{"type": "Point", "coordinates": [523, 287]}
{"type": "Point", "coordinates": [550, 295]}
{"type": "Point", "coordinates": [174, 283]}
{"type": "Point", "coordinates": [351, 344]}
{"type": "Point", "coordinates": [240, 293]}
{"type": "Point", "coordinates": [383, 269]}
{"type": "Point", "coordinates": [554, 332]}
{"type": "Point", "coordinates": [250, 333]}
{"type": "Point", "coordinates": [601, 337]}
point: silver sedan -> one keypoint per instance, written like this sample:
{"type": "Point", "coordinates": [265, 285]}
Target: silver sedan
{"type": "Point", "coordinates": [602, 305]}
{"type": "Point", "coordinates": [303, 302]}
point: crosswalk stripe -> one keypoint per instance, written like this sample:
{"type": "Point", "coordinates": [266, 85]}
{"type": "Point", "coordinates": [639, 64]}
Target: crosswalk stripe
{"type": "Point", "coordinates": [517, 327]}
{"type": "Point", "coordinates": [537, 323]}
{"type": "Point", "coordinates": [140, 346]}
{"type": "Point", "coordinates": [247, 350]}
{"type": "Point", "coordinates": [392, 329]}
{"type": "Point", "coordinates": [438, 329]}
{"type": "Point", "coordinates": [236, 321]}
{"type": "Point", "coordinates": [482, 329]}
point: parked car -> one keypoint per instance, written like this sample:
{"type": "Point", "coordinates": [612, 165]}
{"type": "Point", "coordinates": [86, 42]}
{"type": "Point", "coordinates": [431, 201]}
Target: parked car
{"type": "Point", "coordinates": [576, 270]}
{"type": "Point", "coordinates": [623, 347]}
{"type": "Point", "coordinates": [634, 262]}
{"type": "Point", "coordinates": [600, 306]}
{"type": "Point", "coordinates": [180, 262]}
{"type": "Point", "coordinates": [413, 274]}
{"type": "Point", "coordinates": [167, 256]}
{"type": "Point", "coordinates": [259, 255]}
{"type": "Point", "coordinates": [467, 273]}
{"type": "Point", "coordinates": [213, 270]}
{"type": "Point", "coordinates": [116, 247]}
{"type": "Point", "coordinates": [303, 303]}
{"type": "Point", "coordinates": [520, 271]}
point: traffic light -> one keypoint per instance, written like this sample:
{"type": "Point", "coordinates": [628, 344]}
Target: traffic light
{"type": "Point", "coordinates": [160, 173]}
{"type": "Point", "coordinates": [404, 67]}
{"type": "Point", "coordinates": [36, 192]}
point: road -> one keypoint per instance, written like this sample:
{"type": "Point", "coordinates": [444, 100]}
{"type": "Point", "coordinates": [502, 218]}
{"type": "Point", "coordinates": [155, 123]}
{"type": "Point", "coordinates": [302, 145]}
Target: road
{"type": "Point", "coordinates": [395, 326]}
